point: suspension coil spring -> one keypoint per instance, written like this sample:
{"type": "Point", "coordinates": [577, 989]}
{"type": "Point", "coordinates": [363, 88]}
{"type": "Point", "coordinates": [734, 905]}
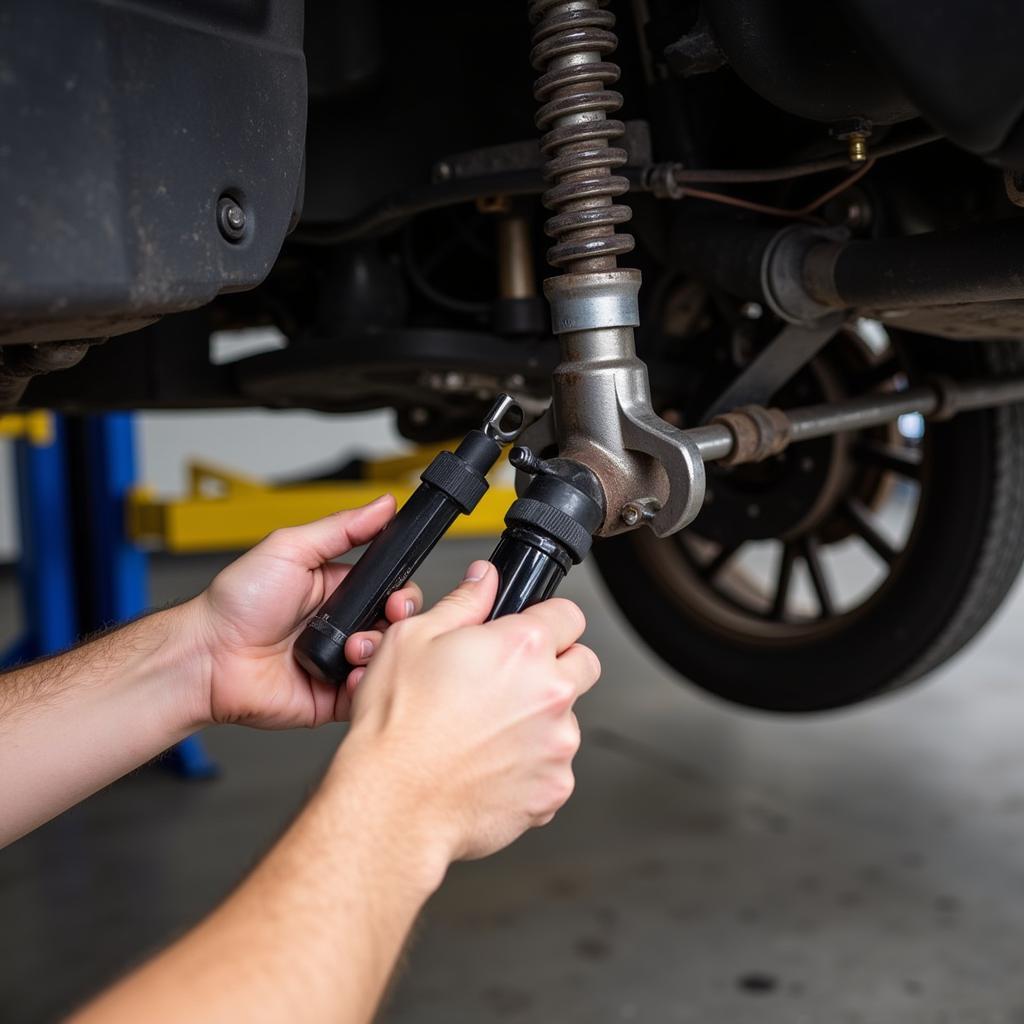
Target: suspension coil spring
{"type": "Point", "coordinates": [570, 40]}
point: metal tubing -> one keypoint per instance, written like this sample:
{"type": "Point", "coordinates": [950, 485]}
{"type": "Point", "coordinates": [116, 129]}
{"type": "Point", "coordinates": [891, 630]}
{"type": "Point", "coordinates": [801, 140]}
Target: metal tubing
{"type": "Point", "coordinates": [945, 398]}
{"type": "Point", "coordinates": [515, 264]}
{"type": "Point", "coordinates": [713, 442]}
{"type": "Point", "coordinates": [979, 394]}
{"type": "Point", "coordinates": [859, 413]}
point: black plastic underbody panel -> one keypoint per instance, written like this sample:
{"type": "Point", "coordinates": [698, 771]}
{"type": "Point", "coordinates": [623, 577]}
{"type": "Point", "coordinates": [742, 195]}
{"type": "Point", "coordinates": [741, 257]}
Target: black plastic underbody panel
{"type": "Point", "coordinates": [957, 64]}
{"type": "Point", "coordinates": [121, 126]}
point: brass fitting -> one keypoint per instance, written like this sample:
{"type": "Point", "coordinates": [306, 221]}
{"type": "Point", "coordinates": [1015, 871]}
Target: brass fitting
{"type": "Point", "coordinates": [855, 132]}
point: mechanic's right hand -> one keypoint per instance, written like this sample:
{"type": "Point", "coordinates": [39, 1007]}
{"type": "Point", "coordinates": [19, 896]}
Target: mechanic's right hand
{"type": "Point", "coordinates": [473, 723]}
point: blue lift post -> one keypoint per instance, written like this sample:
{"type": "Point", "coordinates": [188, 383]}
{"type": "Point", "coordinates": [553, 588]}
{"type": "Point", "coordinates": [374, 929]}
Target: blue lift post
{"type": "Point", "coordinates": [117, 588]}
{"type": "Point", "coordinates": [46, 567]}
{"type": "Point", "coordinates": [121, 586]}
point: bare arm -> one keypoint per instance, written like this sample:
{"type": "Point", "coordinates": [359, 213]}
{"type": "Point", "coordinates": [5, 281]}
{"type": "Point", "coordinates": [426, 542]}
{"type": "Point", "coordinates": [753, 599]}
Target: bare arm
{"type": "Point", "coordinates": [313, 934]}
{"type": "Point", "coordinates": [462, 738]}
{"type": "Point", "coordinates": [70, 725]}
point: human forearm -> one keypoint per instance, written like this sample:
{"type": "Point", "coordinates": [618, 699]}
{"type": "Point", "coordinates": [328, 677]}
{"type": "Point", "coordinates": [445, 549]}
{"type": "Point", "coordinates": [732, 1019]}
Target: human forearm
{"type": "Point", "coordinates": [70, 725]}
{"type": "Point", "coordinates": [314, 933]}
{"type": "Point", "coordinates": [462, 738]}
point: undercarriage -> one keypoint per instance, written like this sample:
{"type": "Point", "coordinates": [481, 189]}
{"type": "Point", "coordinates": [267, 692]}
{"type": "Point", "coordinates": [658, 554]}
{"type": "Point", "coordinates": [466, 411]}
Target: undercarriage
{"type": "Point", "coordinates": [755, 267]}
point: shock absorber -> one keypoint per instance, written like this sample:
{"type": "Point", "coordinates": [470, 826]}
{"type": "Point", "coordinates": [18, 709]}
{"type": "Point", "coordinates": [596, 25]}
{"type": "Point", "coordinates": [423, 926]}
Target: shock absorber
{"type": "Point", "coordinates": [601, 414]}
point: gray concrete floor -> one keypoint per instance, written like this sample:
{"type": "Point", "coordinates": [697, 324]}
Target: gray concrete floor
{"type": "Point", "coordinates": [715, 865]}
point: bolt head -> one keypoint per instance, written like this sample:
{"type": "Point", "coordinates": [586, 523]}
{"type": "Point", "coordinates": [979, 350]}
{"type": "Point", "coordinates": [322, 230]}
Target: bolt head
{"type": "Point", "coordinates": [631, 514]}
{"type": "Point", "coordinates": [231, 219]}
{"type": "Point", "coordinates": [642, 510]}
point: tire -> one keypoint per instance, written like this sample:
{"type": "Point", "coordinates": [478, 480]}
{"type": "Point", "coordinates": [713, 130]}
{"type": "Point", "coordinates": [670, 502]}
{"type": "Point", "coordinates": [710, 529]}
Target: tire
{"type": "Point", "coordinates": [960, 559]}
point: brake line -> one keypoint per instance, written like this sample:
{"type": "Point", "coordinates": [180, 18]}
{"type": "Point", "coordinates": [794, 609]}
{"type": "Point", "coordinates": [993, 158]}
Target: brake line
{"type": "Point", "coordinates": [663, 180]}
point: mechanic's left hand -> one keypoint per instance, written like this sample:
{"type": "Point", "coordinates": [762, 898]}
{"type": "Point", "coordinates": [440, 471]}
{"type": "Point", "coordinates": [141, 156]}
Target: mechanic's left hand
{"type": "Point", "coordinates": [252, 612]}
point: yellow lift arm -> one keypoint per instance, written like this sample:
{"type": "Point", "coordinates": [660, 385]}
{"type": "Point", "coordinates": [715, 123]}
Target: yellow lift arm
{"type": "Point", "coordinates": [228, 511]}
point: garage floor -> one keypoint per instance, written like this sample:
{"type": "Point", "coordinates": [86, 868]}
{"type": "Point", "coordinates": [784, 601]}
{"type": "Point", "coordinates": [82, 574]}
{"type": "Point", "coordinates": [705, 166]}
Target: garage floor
{"type": "Point", "coordinates": [714, 865]}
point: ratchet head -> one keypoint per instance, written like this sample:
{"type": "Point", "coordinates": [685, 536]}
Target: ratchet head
{"type": "Point", "coordinates": [505, 421]}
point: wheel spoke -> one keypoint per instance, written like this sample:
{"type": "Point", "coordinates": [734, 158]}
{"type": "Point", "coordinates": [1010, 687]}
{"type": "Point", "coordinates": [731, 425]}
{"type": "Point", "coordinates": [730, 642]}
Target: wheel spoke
{"type": "Point", "coordinates": [902, 461]}
{"type": "Point", "coordinates": [719, 562]}
{"type": "Point", "coordinates": [786, 562]}
{"type": "Point", "coordinates": [811, 551]}
{"type": "Point", "coordinates": [865, 523]}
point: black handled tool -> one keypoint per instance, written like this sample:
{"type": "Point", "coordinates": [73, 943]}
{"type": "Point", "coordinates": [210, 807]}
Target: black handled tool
{"type": "Point", "coordinates": [547, 530]}
{"type": "Point", "coordinates": [453, 483]}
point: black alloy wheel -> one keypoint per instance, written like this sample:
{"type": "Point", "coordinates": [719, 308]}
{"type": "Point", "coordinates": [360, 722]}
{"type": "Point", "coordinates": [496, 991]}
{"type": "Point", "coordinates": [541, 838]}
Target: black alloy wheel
{"type": "Point", "coordinates": [849, 565]}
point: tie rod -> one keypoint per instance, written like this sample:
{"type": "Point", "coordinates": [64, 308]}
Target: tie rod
{"type": "Point", "coordinates": [752, 433]}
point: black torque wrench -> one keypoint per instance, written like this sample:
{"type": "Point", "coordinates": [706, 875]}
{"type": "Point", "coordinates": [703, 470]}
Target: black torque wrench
{"type": "Point", "coordinates": [453, 483]}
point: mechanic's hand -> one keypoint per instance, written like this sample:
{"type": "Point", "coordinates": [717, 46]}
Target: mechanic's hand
{"type": "Point", "coordinates": [252, 612]}
{"type": "Point", "coordinates": [472, 723]}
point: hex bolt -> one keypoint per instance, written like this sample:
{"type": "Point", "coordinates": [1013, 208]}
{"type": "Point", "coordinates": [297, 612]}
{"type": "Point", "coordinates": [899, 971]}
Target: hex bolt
{"type": "Point", "coordinates": [631, 514]}
{"type": "Point", "coordinates": [231, 219]}
{"type": "Point", "coordinates": [642, 510]}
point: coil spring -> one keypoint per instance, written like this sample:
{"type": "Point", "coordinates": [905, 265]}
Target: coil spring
{"type": "Point", "coordinates": [570, 40]}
